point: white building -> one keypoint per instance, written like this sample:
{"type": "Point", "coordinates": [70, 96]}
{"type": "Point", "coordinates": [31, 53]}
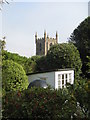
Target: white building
{"type": "Point", "coordinates": [56, 79]}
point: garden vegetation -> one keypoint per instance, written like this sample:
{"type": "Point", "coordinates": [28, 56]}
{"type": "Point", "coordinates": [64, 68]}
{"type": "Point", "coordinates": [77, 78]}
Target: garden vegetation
{"type": "Point", "coordinates": [71, 102]}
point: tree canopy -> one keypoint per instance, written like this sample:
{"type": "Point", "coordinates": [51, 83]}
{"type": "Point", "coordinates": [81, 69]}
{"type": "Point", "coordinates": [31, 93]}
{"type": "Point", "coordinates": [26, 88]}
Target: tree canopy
{"type": "Point", "coordinates": [42, 64]}
{"type": "Point", "coordinates": [60, 56]}
{"type": "Point", "coordinates": [28, 64]}
{"type": "Point", "coordinates": [64, 55]}
{"type": "Point", "coordinates": [81, 39]}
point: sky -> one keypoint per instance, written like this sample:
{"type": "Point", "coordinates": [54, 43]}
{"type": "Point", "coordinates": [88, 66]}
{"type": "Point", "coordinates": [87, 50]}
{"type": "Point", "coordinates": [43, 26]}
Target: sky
{"type": "Point", "coordinates": [19, 21]}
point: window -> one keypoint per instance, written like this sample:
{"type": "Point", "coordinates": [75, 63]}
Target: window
{"type": "Point", "coordinates": [62, 80]}
{"type": "Point", "coordinates": [70, 79]}
{"type": "Point", "coordinates": [59, 78]}
{"type": "Point", "coordinates": [66, 78]}
{"type": "Point", "coordinates": [50, 44]}
{"type": "Point", "coordinates": [40, 46]}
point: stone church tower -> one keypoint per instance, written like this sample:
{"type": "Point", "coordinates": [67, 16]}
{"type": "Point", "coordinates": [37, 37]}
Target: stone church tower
{"type": "Point", "coordinates": [44, 44]}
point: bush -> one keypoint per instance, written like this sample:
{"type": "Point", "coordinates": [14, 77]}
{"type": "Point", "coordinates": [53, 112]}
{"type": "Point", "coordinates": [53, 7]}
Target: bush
{"type": "Point", "coordinates": [13, 76]}
{"type": "Point", "coordinates": [39, 103]}
{"type": "Point", "coordinates": [47, 104]}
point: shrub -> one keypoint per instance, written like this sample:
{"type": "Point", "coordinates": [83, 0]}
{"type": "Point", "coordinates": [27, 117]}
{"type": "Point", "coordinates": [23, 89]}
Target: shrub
{"type": "Point", "coordinates": [13, 76]}
{"type": "Point", "coordinates": [39, 103]}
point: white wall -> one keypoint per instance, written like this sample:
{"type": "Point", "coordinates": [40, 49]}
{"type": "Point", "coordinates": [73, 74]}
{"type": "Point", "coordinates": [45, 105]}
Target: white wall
{"type": "Point", "coordinates": [50, 78]}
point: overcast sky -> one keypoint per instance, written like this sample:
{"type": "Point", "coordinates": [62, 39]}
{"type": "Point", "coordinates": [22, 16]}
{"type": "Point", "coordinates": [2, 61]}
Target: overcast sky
{"type": "Point", "coordinates": [22, 19]}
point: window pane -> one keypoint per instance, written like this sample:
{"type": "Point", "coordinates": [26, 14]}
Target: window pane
{"type": "Point", "coordinates": [59, 78]}
{"type": "Point", "coordinates": [70, 77]}
{"type": "Point", "coordinates": [66, 75]}
{"type": "Point", "coordinates": [62, 81]}
{"type": "Point", "coordinates": [62, 77]}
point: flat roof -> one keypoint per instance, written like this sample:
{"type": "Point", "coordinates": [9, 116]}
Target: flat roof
{"type": "Point", "coordinates": [54, 70]}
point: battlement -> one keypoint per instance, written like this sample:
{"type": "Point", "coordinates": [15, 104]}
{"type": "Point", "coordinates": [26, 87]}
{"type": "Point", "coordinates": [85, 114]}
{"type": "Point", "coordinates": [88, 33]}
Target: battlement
{"type": "Point", "coordinates": [46, 38]}
{"type": "Point", "coordinates": [53, 38]}
{"type": "Point", "coordinates": [40, 38]}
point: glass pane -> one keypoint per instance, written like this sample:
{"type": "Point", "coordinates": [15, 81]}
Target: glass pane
{"type": "Point", "coordinates": [66, 75]}
{"type": "Point", "coordinates": [62, 77]}
{"type": "Point", "coordinates": [62, 81]}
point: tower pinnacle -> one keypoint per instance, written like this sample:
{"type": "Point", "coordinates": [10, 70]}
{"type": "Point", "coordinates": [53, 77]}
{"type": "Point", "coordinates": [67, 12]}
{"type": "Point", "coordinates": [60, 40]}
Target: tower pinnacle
{"type": "Point", "coordinates": [56, 37]}
{"type": "Point", "coordinates": [36, 37]}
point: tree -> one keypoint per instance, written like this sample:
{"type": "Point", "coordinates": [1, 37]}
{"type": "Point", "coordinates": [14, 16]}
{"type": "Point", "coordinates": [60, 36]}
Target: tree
{"type": "Point", "coordinates": [34, 63]}
{"type": "Point", "coordinates": [64, 55]}
{"type": "Point", "coordinates": [35, 58]}
{"type": "Point", "coordinates": [88, 66]}
{"type": "Point", "coordinates": [13, 77]}
{"type": "Point", "coordinates": [28, 64]}
{"type": "Point", "coordinates": [42, 64]}
{"type": "Point", "coordinates": [81, 39]}
{"type": "Point", "coordinates": [2, 44]}
{"type": "Point", "coordinates": [81, 92]}
{"type": "Point", "coordinates": [23, 61]}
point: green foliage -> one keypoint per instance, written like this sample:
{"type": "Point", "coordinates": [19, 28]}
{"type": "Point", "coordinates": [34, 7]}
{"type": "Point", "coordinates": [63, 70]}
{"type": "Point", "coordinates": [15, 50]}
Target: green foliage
{"type": "Point", "coordinates": [81, 91]}
{"type": "Point", "coordinates": [35, 58]}
{"type": "Point", "coordinates": [88, 66]}
{"type": "Point", "coordinates": [15, 57]}
{"type": "Point", "coordinates": [81, 39]}
{"type": "Point", "coordinates": [64, 55]}
{"type": "Point", "coordinates": [42, 64]}
{"type": "Point", "coordinates": [39, 103]}
{"type": "Point", "coordinates": [13, 77]}
{"type": "Point", "coordinates": [2, 44]}
{"type": "Point", "coordinates": [28, 64]}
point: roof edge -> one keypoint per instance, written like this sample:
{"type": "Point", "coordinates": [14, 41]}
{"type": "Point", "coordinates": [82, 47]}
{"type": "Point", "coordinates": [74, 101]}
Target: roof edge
{"type": "Point", "coordinates": [54, 70]}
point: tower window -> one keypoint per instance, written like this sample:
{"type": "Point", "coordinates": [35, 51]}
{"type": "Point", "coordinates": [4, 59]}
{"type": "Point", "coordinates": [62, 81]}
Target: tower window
{"type": "Point", "coordinates": [40, 46]}
{"type": "Point", "coordinates": [50, 44]}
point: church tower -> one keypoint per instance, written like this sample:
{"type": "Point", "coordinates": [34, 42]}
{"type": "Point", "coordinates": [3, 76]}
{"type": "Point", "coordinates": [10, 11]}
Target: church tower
{"type": "Point", "coordinates": [43, 44]}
